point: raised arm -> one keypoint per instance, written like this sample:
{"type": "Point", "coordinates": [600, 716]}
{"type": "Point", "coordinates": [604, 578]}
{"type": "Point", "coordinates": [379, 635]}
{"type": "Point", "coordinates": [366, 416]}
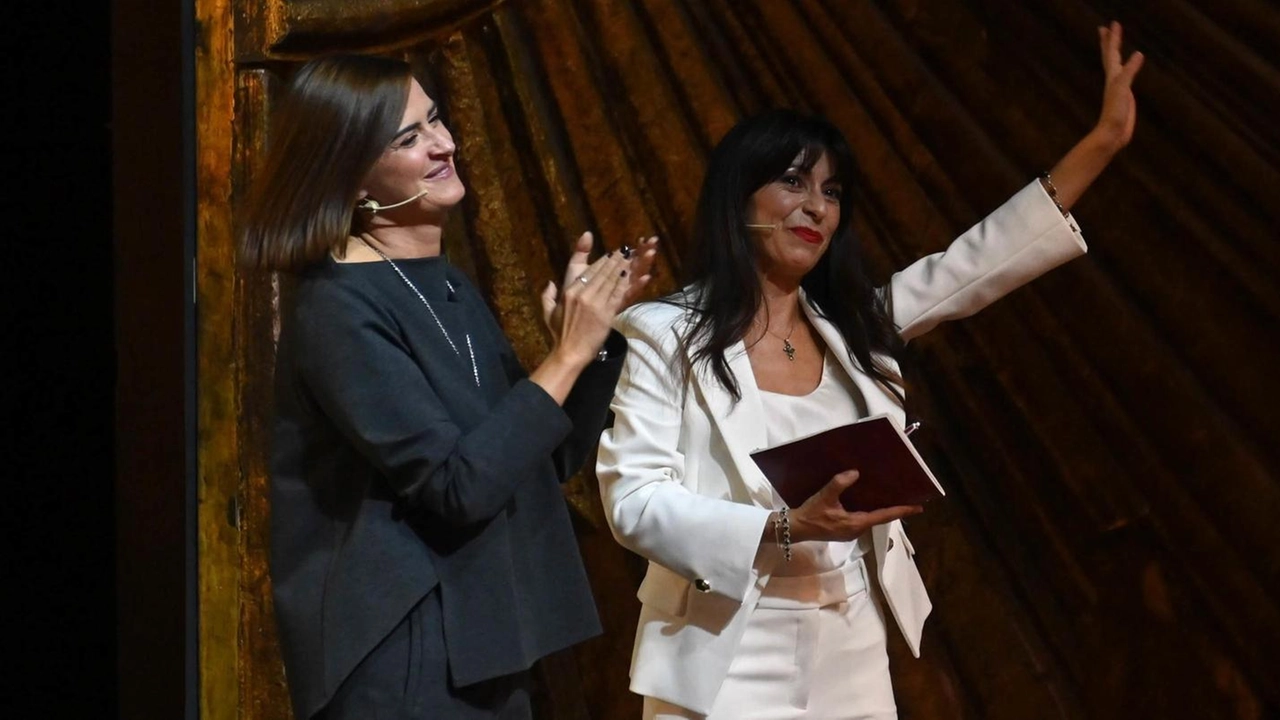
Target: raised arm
{"type": "Point", "coordinates": [1082, 164]}
{"type": "Point", "coordinates": [1027, 236]}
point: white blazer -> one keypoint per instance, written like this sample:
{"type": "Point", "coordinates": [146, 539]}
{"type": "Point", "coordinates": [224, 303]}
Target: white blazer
{"type": "Point", "coordinates": [679, 486]}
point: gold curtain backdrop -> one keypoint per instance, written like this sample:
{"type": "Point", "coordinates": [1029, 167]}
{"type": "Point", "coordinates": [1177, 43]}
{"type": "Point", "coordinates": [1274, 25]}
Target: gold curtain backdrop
{"type": "Point", "coordinates": [1108, 547]}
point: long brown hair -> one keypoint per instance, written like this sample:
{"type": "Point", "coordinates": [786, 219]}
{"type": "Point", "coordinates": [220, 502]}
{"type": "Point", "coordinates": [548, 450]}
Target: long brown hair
{"type": "Point", "coordinates": [334, 122]}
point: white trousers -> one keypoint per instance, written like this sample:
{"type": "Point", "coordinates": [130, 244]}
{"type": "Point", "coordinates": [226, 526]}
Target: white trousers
{"type": "Point", "coordinates": [817, 663]}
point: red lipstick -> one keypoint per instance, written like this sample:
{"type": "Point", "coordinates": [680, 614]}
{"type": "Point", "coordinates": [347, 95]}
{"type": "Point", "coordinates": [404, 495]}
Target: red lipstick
{"type": "Point", "coordinates": [808, 235]}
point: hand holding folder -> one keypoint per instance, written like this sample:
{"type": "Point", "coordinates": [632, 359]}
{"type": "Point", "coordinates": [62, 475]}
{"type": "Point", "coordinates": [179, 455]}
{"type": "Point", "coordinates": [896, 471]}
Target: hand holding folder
{"type": "Point", "coordinates": [890, 471]}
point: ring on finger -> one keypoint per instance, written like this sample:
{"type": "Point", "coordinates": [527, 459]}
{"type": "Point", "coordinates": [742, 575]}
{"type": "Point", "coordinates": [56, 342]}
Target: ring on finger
{"type": "Point", "coordinates": [584, 279]}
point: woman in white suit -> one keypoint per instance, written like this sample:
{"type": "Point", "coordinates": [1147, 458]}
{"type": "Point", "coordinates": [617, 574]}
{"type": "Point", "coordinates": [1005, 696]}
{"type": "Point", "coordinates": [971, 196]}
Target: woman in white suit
{"type": "Point", "coordinates": [751, 609]}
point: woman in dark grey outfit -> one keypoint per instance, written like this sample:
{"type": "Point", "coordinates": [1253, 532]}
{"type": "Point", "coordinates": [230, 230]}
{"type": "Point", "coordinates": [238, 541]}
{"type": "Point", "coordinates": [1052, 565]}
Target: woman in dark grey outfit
{"type": "Point", "coordinates": [422, 557]}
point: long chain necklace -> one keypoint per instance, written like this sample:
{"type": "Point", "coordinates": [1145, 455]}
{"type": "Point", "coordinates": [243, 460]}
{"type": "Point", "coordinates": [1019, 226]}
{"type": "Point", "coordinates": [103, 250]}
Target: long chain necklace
{"type": "Point", "coordinates": [475, 370]}
{"type": "Point", "coordinates": [787, 347]}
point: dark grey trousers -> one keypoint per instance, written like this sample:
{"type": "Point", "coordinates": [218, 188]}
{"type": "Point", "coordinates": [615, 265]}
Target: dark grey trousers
{"type": "Point", "coordinates": [406, 677]}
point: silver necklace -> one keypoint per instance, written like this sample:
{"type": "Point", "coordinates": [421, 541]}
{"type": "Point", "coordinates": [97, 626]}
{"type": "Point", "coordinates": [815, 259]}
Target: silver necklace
{"type": "Point", "coordinates": [475, 370]}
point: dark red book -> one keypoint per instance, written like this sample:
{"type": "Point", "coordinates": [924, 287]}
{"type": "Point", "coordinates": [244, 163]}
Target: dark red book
{"type": "Point", "coordinates": [890, 471]}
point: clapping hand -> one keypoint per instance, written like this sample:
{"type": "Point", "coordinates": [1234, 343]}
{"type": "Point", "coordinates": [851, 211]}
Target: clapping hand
{"type": "Point", "coordinates": [642, 256]}
{"type": "Point", "coordinates": [606, 286]}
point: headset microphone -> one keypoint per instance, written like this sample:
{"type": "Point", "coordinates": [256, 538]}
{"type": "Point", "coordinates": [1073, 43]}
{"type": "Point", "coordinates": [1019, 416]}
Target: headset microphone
{"type": "Point", "coordinates": [372, 207]}
{"type": "Point", "coordinates": [762, 227]}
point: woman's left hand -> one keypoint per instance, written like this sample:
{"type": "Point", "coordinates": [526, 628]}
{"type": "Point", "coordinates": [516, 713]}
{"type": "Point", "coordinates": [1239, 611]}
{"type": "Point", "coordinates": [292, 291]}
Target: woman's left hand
{"type": "Point", "coordinates": [1119, 109]}
{"type": "Point", "coordinates": [643, 255]}
{"type": "Point", "coordinates": [639, 273]}
{"type": "Point", "coordinates": [1082, 164]}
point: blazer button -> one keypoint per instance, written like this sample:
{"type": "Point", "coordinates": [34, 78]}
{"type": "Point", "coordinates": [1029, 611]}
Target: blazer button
{"type": "Point", "coordinates": [702, 585]}
{"type": "Point", "coordinates": [890, 543]}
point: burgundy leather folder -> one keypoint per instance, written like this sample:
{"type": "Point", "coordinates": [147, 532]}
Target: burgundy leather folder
{"type": "Point", "coordinates": [890, 471]}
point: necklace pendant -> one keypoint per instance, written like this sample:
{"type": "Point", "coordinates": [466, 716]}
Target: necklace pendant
{"type": "Point", "coordinates": [471, 351]}
{"type": "Point", "coordinates": [789, 349]}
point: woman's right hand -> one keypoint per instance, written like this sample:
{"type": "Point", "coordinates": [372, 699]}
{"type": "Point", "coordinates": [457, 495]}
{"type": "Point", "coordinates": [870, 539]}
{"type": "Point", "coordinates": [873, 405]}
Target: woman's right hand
{"type": "Point", "coordinates": [822, 517]}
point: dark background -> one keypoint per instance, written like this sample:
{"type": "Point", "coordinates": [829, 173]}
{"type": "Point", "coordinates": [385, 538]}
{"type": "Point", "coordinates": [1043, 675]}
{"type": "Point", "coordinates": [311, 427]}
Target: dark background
{"type": "Point", "coordinates": [59, 322]}
{"type": "Point", "coordinates": [62, 334]}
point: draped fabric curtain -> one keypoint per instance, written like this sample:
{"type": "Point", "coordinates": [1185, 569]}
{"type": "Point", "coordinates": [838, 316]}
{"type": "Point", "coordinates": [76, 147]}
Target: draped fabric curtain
{"type": "Point", "coordinates": [1108, 547]}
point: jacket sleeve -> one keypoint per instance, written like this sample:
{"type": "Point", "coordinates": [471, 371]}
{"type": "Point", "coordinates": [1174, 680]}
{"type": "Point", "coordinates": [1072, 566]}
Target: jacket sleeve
{"type": "Point", "coordinates": [365, 381]}
{"type": "Point", "coordinates": [587, 405]}
{"type": "Point", "coordinates": [588, 408]}
{"type": "Point", "coordinates": [641, 468]}
{"type": "Point", "coordinates": [1021, 240]}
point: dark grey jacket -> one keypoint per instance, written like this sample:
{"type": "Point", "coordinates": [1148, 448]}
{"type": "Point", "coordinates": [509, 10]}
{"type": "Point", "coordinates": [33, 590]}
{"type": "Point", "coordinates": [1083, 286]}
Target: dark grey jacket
{"type": "Point", "coordinates": [394, 475]}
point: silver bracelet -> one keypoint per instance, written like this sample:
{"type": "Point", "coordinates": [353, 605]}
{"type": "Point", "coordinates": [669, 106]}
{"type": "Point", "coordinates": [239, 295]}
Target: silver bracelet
{"type": "Point", "coordinates": [782, 526]}
{"type": "Point", "coordinates": [1053, 191]}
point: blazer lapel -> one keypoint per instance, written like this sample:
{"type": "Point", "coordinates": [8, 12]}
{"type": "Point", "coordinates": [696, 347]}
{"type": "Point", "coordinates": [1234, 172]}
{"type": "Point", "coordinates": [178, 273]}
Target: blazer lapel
{"type": "Point", "coordinates": [878, 400]}
{"type": "Point", "coordinates": [741, 423]}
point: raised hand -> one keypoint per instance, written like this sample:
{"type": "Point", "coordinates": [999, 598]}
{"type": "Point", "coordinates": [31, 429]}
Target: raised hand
{"type": "Point", "coordinates": [822, 517]}
{"type": "Point", "coordinates": [1119, 109]}
{"type": "Point", "coordinates": [1082, 164]}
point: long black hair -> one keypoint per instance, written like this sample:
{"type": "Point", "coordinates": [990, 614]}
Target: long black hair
{"type": "Point", "coordinates": [722, 263]}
